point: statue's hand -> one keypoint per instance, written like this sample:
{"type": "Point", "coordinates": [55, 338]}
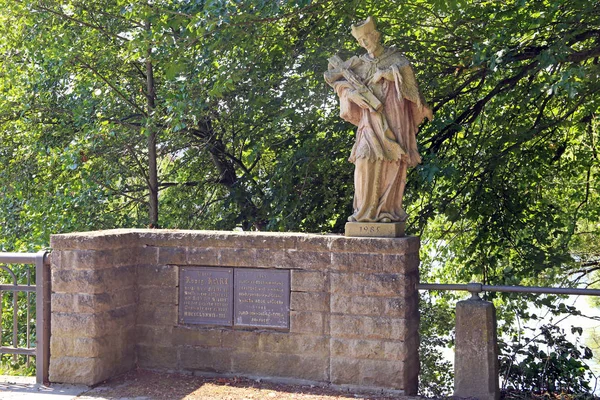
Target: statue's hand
{"type": "Point", "coordinates": [386, 74]}
{"type": "Point", "coordinates": [358, 99]}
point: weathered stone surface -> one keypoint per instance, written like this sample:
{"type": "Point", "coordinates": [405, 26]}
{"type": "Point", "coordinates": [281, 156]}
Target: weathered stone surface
{"type": "Point", "coordinates": [375, 229]}
{"type": "Point", "coordinates": [362, 312]}
{"type": "Point", "coordinates": [203, 359]}
{"type": "Point", "coordinates": [92, 281]}
{"type": "Point", "coordinates": [382, 373]}
{"type": "Point", "coordinates": [309, 281]}
{"type": "Point", "coordinates": [405, 245]}
{"type": "Point", "coordinates": [154, 356]}
{"type": "Point", "coordinates": [280, 342]}
{"type": "Point", "coordinates": [172, 255]}
{"type": "Point", "coordinates": [92, 325]}
{"type": "Point", "coordinates": [157, 295]}
{"type": "Point", "coordinates": [382, 284]}
{"type": "Point", "coordinates": [271, 258]}
{"type": "Point", "coordinates": [357, 262]}
{"type": "Point", "coordinates": [345, 371]}
{"type": "Point", "coordinates": [107, 239]}
{"type": "Point", "coordinates": [161, 275]}
{"type": "Point", "coordinates": [312, 260]}
{"type": "Point", "coordinates": [191, 336]}
{"type": "Point", "coordinates": [307, 322]}
{"type": "Point", "coordinates": [313, 368]}
{"type": "Point", "coordinates": [154, 335]}
{"type": "Point", "coordinates": [157, 314]}
{"type": "Point", "coordinates": [375, 349]}
{"type": "Point", "coordinates": [357, 305]}
{"type": "Point", "coordinates": [61, 346]}
{"type": "Point", "coordinates": [99, 259]}
{"type": "Point", "coordinates": [406, 264]}
{"type": "Point", "coordinates": [205, 256]}
{"type": "Point", "coordinates": [237, 257]}
{"type": "Point", "coordinates": [309, 301]}
{"type": "Point", "coordinates": [368, 327]}
{"type": "Point", "coordinates": [476, 351]}
{"type": "Point", "coordinates": [78, 370]}
{"type": "Point", "coordinates": [241, 340]}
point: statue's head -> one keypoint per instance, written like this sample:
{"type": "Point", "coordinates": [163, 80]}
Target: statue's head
{"type": "Point", "coordinates": [367, 34]}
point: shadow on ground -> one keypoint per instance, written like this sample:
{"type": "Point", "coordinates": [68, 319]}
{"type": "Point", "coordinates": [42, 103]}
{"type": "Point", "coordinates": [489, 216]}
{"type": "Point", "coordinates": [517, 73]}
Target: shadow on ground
{"type": "Point", "coordinates": [148, 385]}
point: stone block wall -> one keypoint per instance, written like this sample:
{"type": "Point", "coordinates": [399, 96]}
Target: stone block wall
{"type": "Point", "coordinates": [353, 307]}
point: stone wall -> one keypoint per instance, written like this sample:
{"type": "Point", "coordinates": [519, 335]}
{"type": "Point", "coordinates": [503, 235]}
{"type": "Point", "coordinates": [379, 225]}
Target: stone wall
{"type": "Point", "coordinates": [353, 307]}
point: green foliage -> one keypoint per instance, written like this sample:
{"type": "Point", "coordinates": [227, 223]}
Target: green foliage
{"type": "Point", "coordinates": [546, 363]}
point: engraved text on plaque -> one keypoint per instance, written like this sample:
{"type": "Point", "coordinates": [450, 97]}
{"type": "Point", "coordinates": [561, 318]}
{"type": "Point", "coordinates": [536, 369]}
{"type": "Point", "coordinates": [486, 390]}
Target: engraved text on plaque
{"type": "Point", "coordinates": [205, 295]}
{"type": "Point", "coordinates": [262, 298]}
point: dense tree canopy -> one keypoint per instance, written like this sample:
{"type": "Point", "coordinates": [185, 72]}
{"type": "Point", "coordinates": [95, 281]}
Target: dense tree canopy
{"type": "Point", "coordinates": [214, 114]}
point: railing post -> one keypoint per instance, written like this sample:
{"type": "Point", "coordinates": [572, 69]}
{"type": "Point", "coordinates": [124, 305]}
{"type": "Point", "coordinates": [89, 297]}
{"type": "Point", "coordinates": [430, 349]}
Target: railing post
{"type": "Point", "coordinates": [42, 297]}
{"type": "Point", "coordinates": [476, 352]}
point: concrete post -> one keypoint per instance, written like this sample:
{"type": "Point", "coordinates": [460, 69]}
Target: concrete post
{"type": "Point", "coordinates": [476, 354]}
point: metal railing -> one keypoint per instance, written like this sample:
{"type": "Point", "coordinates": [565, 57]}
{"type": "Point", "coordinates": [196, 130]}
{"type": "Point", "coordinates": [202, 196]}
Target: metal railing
{"type": "Point", "coordinates": [476, 288]}
{"type": "Point", "coordinates": [41, 351]}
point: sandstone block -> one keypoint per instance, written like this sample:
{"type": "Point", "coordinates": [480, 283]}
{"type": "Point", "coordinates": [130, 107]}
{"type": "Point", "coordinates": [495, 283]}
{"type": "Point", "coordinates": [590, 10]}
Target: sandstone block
{"type": "Point", "coordinates": [476, 355]}
{"type": "Point", "coordinates": [375, 349]}
{"type": "Point", "coordinates": [157, 295]}
{"type": "Point", "coordinates": [237, 257]}
{"type": "Point", "coordinates": [207, 256]}
{"type": "Point", "coordinates": [375, 229]}
{"type": "Point", "coordinates": [357, 262]}
{"type": "Point", "coordinates": [172, 255]}
{"type": "Point", "coordinates": [92, 281]}
{"type": "Point", "coordinates": [189, 336]}
{"type": "Point", "coordinates": [401, 263]}
{"type": "Point", "coordinates": [384, 284]}
{"type": "Point", "coordinates": [309, 281]}
{"type": "Point", "coordinates": [404, 245]}
{"type": "Point", "coordinates": [157, 314]}
{"type": "Point", "coordinates": [313, 368]}
{"type": "Point", "coordinates": [74, 370]}
{"type": "Point", "coordinates": [153, 335]}
{"type": "Point", "coordinates": [240, 340]}
{"type": "Point", "coordinates": [307, 322]}
{"type": "Point", "coordinates": [83, 325]}
{"type": "Point", "coordinates": [345, 371]}
{"type": "Point", "coordinates": [110, 258]}
{"type": "Point", "coordinates": [318, 243]}
{"type": "Point", "coordinates": [382, 373]}
{"type": "Point", "coordinates": [277, 342]}
{"type": "Point", "coordinates": [271, 258]}
{"type": "Point", "coordinates": [208, 360]}
{"type": "Point", "coordinates": [370, 327]}
{"type": "Point", "coordinates": [107, 239]}
{"type": "Point", "coordinates": [309, 301]}
{"type": "Point", "coordinates": [357, 305]}
{"type": "Point", "coordinates": [83, 347]}
{"type": "Point", "coordinates": [156, 357]}
{"type": "Point", "coordinates": [161, 275]}
{"type": "Point", "coordinates": [311, 260]}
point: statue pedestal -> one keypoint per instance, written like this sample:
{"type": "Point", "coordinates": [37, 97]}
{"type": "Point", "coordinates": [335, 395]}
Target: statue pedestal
{"type": "Point", "coordinates": [375, 229]}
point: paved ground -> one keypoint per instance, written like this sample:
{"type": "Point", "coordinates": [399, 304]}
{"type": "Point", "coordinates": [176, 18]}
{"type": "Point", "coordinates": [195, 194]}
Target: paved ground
{"type": "Point", "coordinates": [147, 385]}
{"type": "Point", "coordinates": [25, 388]}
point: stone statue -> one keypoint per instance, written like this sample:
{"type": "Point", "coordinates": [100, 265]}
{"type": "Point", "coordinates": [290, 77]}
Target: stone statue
{"type": "Point", "coordinates": [379, 94]}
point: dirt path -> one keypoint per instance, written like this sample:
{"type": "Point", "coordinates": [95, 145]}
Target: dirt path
{"type": "Point", "coordinates": [147, 385]}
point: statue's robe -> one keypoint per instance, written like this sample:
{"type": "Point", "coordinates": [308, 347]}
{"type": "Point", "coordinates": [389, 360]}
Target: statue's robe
{"type": "Point", "coordinates": [385, 143]}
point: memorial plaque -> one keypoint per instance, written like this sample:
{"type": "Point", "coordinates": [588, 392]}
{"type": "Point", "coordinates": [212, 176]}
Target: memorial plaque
{"type": "Point", "coordinates": [262, 298]}
{"type": "Point", "coordinates": [206, 295]}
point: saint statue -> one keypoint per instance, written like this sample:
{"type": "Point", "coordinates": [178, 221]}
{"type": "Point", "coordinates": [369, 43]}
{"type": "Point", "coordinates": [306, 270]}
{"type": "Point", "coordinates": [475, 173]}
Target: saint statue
{"type": "Point", "coordinates": [379, 94]}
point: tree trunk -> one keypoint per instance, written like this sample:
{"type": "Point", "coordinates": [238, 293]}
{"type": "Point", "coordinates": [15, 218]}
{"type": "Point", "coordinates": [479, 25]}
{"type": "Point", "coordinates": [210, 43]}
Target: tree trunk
{"type": "Point", "coordinates": [151, 130]}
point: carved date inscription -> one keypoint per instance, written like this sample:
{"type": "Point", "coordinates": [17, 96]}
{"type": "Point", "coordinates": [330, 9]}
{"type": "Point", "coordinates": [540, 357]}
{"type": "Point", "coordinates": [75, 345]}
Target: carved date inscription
{"type": "Point", "coordinates": [262, 298]}
{"type": "Point", "coordinates": [206, 295]}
